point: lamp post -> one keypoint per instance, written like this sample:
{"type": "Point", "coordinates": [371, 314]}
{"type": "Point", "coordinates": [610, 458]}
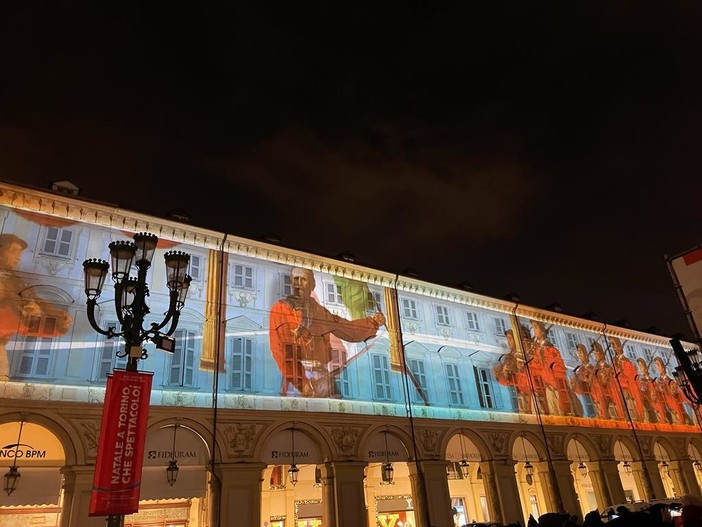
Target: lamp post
{"type": "Point", "coordinates": [688, 373]}
{"type": "Point", "coordinates": [130, 300]}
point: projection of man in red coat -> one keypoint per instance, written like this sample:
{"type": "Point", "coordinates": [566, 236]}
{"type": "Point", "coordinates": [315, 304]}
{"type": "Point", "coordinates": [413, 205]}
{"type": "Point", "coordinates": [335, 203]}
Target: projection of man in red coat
{"type": "Point", "coordinates": [300, 333]}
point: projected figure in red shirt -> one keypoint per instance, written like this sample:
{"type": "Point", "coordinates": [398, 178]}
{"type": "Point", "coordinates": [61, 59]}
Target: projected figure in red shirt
{"type": "Point", "coordinates": [653, 402]}
{"type": "Point", "coordinates": [582, 383]}
{"type": "Point", "coordinates": [612, 406]}
{"type": "Point", "coordinates": [626, 371]}
{"type": "Point", "coordinates": [670, 394]}
{"type": "Point", "coordinates": [553, 371]}
{"type": "Point", "coordinates": [510, 371]}
{"type": "Point", "coordinates": [300, 335]}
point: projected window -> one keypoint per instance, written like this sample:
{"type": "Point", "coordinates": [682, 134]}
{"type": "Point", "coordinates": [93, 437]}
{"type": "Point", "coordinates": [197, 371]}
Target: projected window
{"type": "Point", "coordinates": [629, 351]}
{"type": "Point", "coordinates": [648, 354]}
{"type": "Point", "coordinates": [195, 269]}
{"type": "Point", "coordinates": [286, 285]}
{"type": "Point", "coordinates": [553, 338]}
{"type": "Point", "coordinates": [57, 242]}
{"type": "Point", "coordinates": [442, 316]}
{"type": "Point", "coordinates": [472, 321]}
{"type": "Point", "coordinates": [409, 308]}
{"type": "Point", "coordinates": [500, 325]}
{"type": "Point", "coordinates": [182, 363]}
{"type": "Point", "coordinates": [484, 385]}
{"type": "Point", "coordinates": [241, 363]}
{"type": "Point", "coordinates": [418, 369]}
{"type": "Point", "coordinates": [107, 356]}
{"type": "Point", "coordinates": [243, 276]}
{"type": "Point", "coordinates": [572, 342]}
{"type": "Point", "coordinates": [339, 357]}
{"type": "Point", "coordinates": [333, 294]}
{"type": "Point", "coordinates": [35, 351]}
{"type": "Point", "coordinates": [375, 302]}
{"type": "Point", "coordinates": [455, 390]}
{"type": "Point", "coordinates": [381, 377]}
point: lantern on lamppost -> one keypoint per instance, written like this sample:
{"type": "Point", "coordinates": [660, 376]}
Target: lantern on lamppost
{"type": "Point", "coordinates": [131, 293]}
{"type": "Point", "coordinates": [12, 476]}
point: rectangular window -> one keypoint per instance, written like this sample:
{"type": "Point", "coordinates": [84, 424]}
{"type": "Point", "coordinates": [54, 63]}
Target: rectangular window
{"type": "Point", "coordinates": [334, 294]}
{"type": "Point", "coordinates": [287, 285]}
{"type": "Point", "coordinates": [243, 276]}
{"type": "Point", "coordinates": [442, 316]}
{"type": "Point", "coordinates": [242, 364]}
{"type": "Point", "coordinates": [455, 390]}
{"type": "Point", "coordinates": [553, 338]}
{"type": "Point", "coordinates": [195, 267]}
{"type": "Point", "coordinates": [57, 242]}
{"type": "Point", "coordinates": [409, 308]}
{"type": "Point", "coordinates": [108, 355]}
{"type": "Point", "coordinates": [483, 383]}
{"type": "Point", "coordinates": [648, 355]}
{"type": "Point", "coordinates": [572, 342]}
{"type": "Point", "coordinates": [500, 327]}
{"type": "Point", "coordinates": [472, 321]}
{"type": "Point", "coordinates": [36, 350]}
{"type": "Point", "coordinates": [629, 351]}
{"type": "Point", "coordinates": [375, 302]}
{"type": "Point", "coordinates": [418, 369]}
{"type": "Point", "coordinates": [182, 370]}
{"type": "Point", "coordinates": [381, 377]}
{"type": "Point", "coordinates": [339, 357]}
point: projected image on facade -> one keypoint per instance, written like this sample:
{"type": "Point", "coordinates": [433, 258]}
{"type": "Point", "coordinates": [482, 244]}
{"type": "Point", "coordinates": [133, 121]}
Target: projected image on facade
{"type": "Point", "coordinates": [301, 332]}
{"type": "Point", "coordinates": [328, 338]}
{"type": "Point", "coordinates": [605, 384]}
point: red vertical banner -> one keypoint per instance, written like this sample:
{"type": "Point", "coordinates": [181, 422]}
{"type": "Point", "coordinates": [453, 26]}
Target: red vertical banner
{"type": "Point", "coordinates": [117, 479]}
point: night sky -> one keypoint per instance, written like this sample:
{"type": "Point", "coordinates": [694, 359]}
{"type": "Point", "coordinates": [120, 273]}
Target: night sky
{"type": "Point", "coordinates": [548, 149]}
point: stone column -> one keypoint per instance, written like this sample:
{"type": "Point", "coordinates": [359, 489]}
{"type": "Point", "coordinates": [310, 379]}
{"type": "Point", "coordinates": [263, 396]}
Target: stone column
{"type": "Point", "coordinates": [342, 487]}
{"type": "Point", "coordinates": [549, 488]}
{"type": "Point", "coordinates": [501, 491]}
{"type": "Point", "coordinates": [565, 485]}
{"type": "Point", "coordinates": [648, 479]}
{"type": "Point", "coordinates": [78, 483]}
{"type": "Point", "coordinates": [680, 483]}
{"type": "Point", "coordinates": [419, 494]}
{"type": "Point", "coordinates": [437, 507]}
{"type": "Point", "coordinates": [606, 482]}
{"type": "Point", "coordinates": [214, 499]}
{"type": "Point", "coordinates": [688, 479]}
{"type": "Point", "coordinates": [241, 493]}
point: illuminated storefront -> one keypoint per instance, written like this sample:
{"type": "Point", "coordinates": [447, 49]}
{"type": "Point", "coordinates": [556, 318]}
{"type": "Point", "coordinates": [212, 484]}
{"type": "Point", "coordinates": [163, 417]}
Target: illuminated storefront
{"type": "Point", "coordinates": [484, 409]}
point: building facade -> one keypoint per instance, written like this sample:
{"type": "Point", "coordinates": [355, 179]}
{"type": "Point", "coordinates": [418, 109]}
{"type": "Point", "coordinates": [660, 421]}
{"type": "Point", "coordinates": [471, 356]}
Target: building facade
{"type": "Point", "coordinates": [484, 409]}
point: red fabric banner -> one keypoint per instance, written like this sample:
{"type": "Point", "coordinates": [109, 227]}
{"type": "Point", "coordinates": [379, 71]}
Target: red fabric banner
{"type": "Point", "coordinates": [117, 479]}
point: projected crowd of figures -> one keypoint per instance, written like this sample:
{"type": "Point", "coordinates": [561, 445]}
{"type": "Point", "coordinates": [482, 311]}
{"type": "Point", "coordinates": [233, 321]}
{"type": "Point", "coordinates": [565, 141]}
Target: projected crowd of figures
{"type": "Point", "coordinates": [272, 331]}
{"type": "Point", "coordinates": [606, 383]}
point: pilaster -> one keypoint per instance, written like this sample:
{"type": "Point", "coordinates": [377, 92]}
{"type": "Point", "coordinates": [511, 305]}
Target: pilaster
{"type": "Point", "coordinates": [241, 493]}
{"type": "Point", "coordinates": [77, 486]}
{"type": "Point", "coordinates": [343, 496]}
{"type": "Point", "coordinates": [501, 491]}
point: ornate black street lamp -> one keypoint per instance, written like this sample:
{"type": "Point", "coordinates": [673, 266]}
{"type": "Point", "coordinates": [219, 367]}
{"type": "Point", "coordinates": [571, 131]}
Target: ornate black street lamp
{"type": "Point", "coordinates": [131, 293]}
{"type": "Point", "coordinates": [130, 300]}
